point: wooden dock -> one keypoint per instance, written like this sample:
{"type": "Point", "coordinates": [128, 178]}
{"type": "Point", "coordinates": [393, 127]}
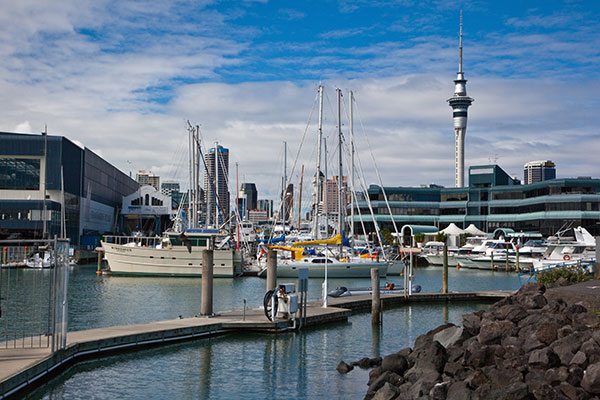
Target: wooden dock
{"type": "Point", "coordinates": [22, 369]}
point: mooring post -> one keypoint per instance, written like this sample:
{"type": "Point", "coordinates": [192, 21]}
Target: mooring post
{"type": "Point", "coordinates": [506, 257]}
{"type": "Point", "coordinates": [445, 264]}
{"type": "Point", "coordinates": [375, 303]}
{"type": "Point", "coordinates": [492, 258]}
{"type": "Point", "coordinates": [517, 266]}
{"type": "Point", "coordinates": [98, 270]}
{"type": "Point", "coordinates": [271, 269]}
{"type": "Point", "coordinates": [207, 282]}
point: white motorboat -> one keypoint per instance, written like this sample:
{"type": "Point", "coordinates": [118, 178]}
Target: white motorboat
{"type": "Point", "coordinates": [390, 288]}
{"type": "Point", "coordinates": [37, 262]}
{"type": "Point", "coordinates": [175, 254]}
{"type": "Point", "coordinates": [433, 252]}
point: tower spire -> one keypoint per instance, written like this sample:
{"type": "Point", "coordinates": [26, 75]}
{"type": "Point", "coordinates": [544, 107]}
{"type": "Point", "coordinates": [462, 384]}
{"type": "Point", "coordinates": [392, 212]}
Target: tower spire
{"type": "Point", "coordinates": [460, 103]}
{"type": "Point", "coordinates": [460, 46]}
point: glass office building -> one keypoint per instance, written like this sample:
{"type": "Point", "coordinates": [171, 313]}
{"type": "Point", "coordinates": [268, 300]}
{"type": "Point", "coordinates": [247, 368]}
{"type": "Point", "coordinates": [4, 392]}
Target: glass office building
{"type": "Point", "coordinates": [43, 172]}
{"type": "Point", "coordinates": [492, 200]}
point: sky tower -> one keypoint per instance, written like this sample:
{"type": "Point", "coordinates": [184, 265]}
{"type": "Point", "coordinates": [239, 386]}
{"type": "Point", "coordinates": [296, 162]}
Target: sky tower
{"type": "Point", "coordinates": [460, 102]}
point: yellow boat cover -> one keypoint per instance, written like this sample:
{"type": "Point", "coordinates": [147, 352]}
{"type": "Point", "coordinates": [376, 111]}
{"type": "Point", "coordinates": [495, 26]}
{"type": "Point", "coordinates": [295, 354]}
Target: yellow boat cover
{"type": "Point", "coordinates": [337, 239]}
{"type": "Point", "coordinates": [296, 251]}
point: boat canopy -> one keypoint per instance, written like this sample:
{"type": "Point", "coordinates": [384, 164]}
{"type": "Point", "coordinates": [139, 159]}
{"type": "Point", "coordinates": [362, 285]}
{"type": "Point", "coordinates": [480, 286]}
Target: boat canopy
{"type": "Point", "coordinates": [279, 239]}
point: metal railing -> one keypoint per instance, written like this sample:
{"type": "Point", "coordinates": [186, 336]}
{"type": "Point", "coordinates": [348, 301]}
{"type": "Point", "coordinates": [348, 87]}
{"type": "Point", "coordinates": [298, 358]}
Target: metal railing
{"type": "Point", "coordinates": [138, 240]}
{"type": "Point", "coordinates": [33, 301]}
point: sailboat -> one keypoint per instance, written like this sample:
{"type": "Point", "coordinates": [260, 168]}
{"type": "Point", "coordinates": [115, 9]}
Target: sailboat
{"type": "Point", "coordinates": [316, 256]}
{"type": "Point", "coordinates": [177, 252]}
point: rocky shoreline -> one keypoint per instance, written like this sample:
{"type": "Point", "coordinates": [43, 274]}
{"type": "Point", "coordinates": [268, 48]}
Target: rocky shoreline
{"type": "Point", "coordinates": [527, 346]}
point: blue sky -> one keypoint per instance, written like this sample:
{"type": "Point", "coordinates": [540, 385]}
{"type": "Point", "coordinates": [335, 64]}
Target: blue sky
{"type": "Point", "coordinates": [123, 77]}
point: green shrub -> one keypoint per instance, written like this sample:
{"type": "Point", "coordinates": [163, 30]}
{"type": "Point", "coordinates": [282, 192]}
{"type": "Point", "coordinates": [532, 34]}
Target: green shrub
{"type": "Point", "coordinates": [419, 237]}
{"type": "Point", "coordinates": [440, 237]}
{"type": "Point", "coordinates": [572, 274]}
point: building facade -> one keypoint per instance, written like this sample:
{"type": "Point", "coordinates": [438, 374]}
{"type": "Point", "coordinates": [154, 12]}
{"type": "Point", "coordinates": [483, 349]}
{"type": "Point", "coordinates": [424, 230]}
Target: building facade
{"type": "Point", "coordinates": [266, 205]}
{"type": "Point", "coordinates": [538, 171]}
{"type": "Point", "coordinates": [216, 187]}
{"type": "Point", "coordinates": [34, 167]}
{"type": "Point", "coordinates": [492, 200]}
{"type": "Point", "coordinates": [144, 177]}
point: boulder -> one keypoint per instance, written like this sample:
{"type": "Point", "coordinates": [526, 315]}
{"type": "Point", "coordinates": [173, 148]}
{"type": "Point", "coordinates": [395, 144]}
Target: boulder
{"type": "Point", "coordinates": [394, 363]}
{"type": "Point", "coordinates": [344, 368]}
{"type": "Point", "coordinates": [388, 377]}
{"type": "Point", "coordinates": [547, 332]}
{"type": "Point", "coordinates": [554, 376]}
{"type": "Point", "coordinates": [491, 332]}
{"type": "Point", "coordinates": [374, 374]}
{"type": "Point", "coordinates": [544, 358]}
{"type": "Point", "coordinates": [585, 320]}
{"type": "Point", "coordinates": [439, 391]}
{"type": "Point", "coordinates": [579, 359]}
{"type": "Point", "coordinates": [591, 379]}
{"type": "Point", "coordinates": [452, 336]}
{"type": "Point", "coordinates": [386, 392]}
{"type": "Point", "coordinates": [459, 391]}
{"type": "Point", "coordinates": [572, 392]}
{"type": "Point", "coordinates": [472, 323]}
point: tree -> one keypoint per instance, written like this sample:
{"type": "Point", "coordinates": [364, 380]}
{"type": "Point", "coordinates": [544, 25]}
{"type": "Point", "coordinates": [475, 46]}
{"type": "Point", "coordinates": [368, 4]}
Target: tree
{"type": "Point", "coordinates": [387, 236]}
{"type": "Point", "coordinates": [440, 237]}
{"type": "Point", "coordinates": [419, 237]}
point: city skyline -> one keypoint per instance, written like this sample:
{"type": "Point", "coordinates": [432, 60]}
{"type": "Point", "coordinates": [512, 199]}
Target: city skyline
{"type": "Point", "coordinates": [123, 77]}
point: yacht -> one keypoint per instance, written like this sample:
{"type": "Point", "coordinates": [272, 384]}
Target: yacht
{"type": "Point", "coordinates": [174, 254]}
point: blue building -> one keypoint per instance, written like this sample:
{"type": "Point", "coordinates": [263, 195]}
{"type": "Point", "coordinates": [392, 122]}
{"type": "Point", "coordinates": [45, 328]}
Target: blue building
{"type": "Point", "coordinates": [34, 166]}
{"type": "Point", "coordinates": [492, 200]}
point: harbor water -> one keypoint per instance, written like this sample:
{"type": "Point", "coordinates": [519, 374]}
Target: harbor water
{"type": "Point", "coordinates": [247, 366]}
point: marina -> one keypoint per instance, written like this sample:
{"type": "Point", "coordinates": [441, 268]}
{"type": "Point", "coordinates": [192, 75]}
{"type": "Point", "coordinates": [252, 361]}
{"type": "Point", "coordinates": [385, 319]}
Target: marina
{"type": "Point", "coordinates": [135, 304]}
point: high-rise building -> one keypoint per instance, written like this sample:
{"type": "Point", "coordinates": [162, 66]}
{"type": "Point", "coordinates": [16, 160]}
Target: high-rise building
{"type": "Point", "coordinates": [460, 102]}
{"type": "Point", "coordinates": [216, 186]}
{"type": "Point", "coordinates": [266, 205]}
{"type": "Point", "coordinates": [249, 192]}
{"type": "Point", "coordinates": [332, 201]}
{"type": "Point", "coordinates": [168, 188]}
{"type": "Point", "coordinates": [144, 177]}
{"type": "Point", "coordinates": [537, 171]}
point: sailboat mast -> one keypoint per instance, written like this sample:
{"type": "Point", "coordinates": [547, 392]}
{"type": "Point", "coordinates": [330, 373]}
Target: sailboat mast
{"type": "Point", "coordinates": [190, 172]}
{"type": "Point", "coordinates": [340, 171]}
{"type": "Point", "coordinates": [300, 197]}
{"type": "Point", "coordinates": [317, 189]}
{"type": "Point", "coordinates": [284, 196]}
{"type": "Point", "coordinates": [351, 100]}
{"type": "Point", "coordinates": [63, 228]}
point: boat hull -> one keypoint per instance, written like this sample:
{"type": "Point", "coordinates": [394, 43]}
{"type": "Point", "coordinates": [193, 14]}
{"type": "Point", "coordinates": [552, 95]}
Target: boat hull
{"type": "Point", "coordinates": [175, 261]}
{"type": "Point", "coordinates": [335, 270]}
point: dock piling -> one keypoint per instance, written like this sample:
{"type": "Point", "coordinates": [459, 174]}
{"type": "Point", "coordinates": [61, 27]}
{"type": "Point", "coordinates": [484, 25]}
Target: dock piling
{"type": "Point", "coordinates": [271, 269]}
{"type": "Point", "coordinates": [492, 258]}
{"type": "Point", "coordinates": [98, 270]}
{"type": "Point", "coordinates": [445, 266]}
{"type": "Point", "coordinates": [207, 282]}
{"type": "Point", "coordinates": [506, 258]}
{"type": "Point", "coordinates": [375, 298]}
{"type": "Point", "coordinates": [517, 266]}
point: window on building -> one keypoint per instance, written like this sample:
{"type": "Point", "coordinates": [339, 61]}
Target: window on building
{"type": "Point", "coordinates": [19, 174]}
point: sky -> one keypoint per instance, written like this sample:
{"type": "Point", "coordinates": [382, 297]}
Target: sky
{"type": "Point", "coordinates": [124, 78]}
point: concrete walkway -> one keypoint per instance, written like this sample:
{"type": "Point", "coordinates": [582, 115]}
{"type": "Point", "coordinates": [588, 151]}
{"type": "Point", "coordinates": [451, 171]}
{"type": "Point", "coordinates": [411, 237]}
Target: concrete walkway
{"type": "Point", "coordinates": [20, 369]}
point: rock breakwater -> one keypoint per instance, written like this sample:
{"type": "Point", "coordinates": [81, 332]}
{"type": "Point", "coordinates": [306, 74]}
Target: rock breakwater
{"type": "Point", "coordinates": [527, 346]}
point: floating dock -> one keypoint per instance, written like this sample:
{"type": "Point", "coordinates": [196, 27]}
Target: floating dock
{"type": "Point", "coordinates": [22, 369]}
